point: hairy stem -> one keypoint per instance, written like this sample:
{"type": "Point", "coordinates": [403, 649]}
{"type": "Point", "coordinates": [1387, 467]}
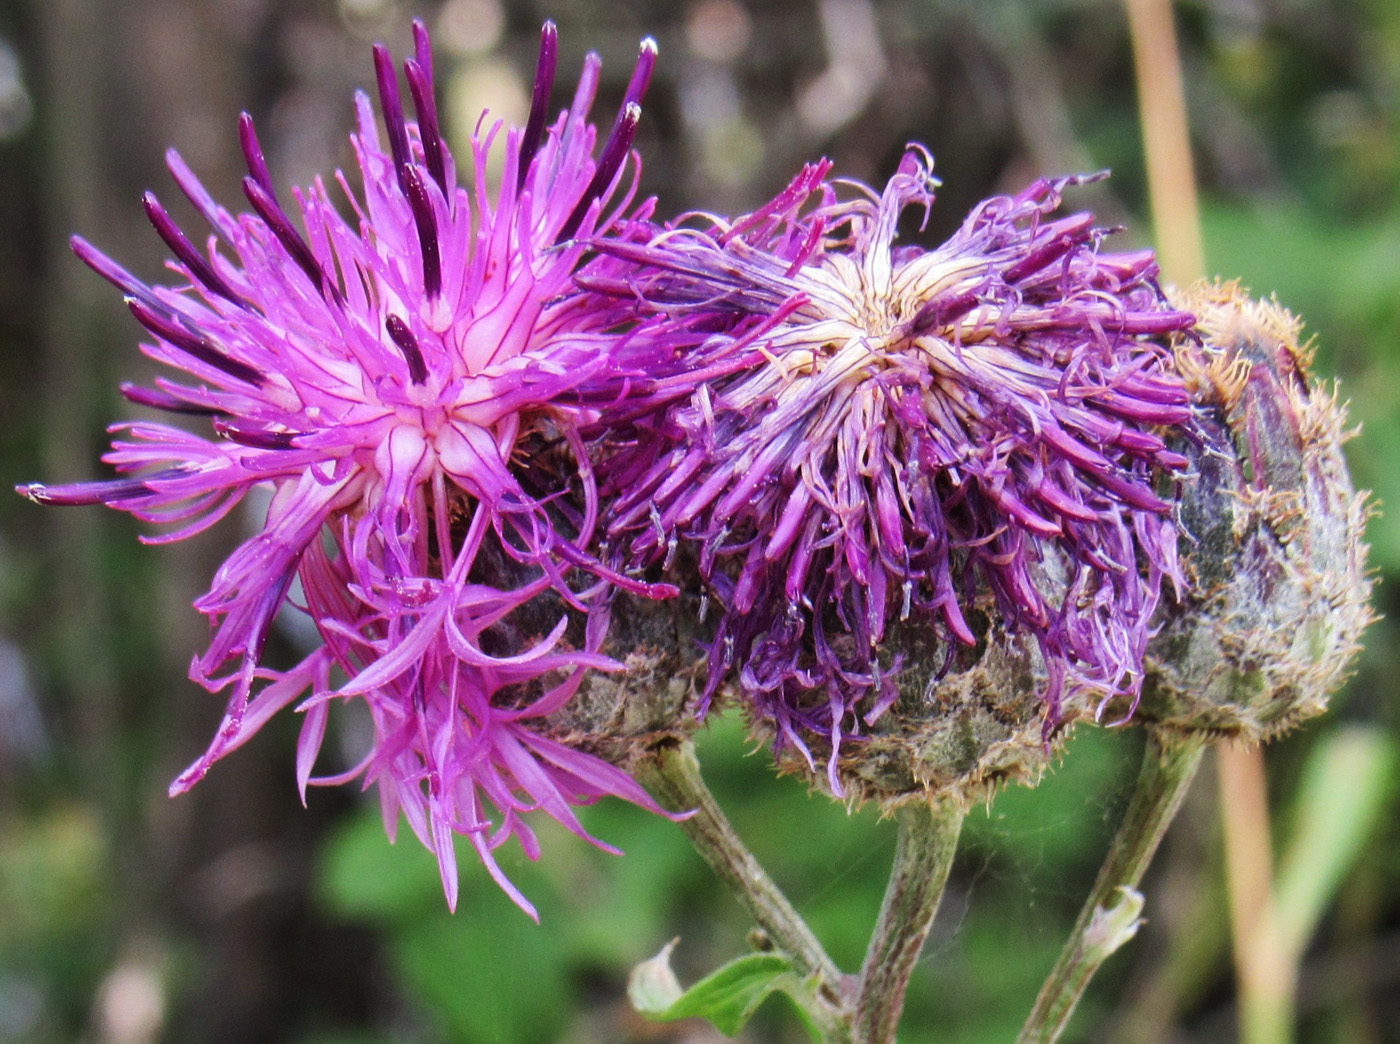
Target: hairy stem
{"type": "Point", "coordinates": [928, 838]}
{"type": "Point", "coordinates": [1109, 916]}
{"type": "Point", "coordinates": [672, 774]}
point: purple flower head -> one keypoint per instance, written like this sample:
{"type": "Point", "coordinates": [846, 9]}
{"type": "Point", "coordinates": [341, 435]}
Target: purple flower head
{"type": "Point", "coordinates": [879, 433]}
{"type": "Point", "coordinates": [407, 382]}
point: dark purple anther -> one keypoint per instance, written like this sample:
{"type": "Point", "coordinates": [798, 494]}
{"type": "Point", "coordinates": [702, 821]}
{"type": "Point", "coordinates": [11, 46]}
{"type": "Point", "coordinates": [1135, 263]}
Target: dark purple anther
{"type": "Point", "coordinates": [253, 153]}
{"type": "Point", "coordinates": [161, 400]}
{"type": "Point", "coordinates": [276, 220]}
{"type": "Point", "coordinates": [393, 108]}
{"type": "Point", "coordinates": [422, 206]}
{"type": "Point", "coordinates": [420, 85]}
{"type": "Point", "coordinates": [423, 48]}
{"type": "Point", "coordinates": [1070, 232]}
{"type": "Point", "coordinates": [176, 240]}
{"type": "Point", "coordinates": [93, 492]}
{"type": "Point", "coordinates": [273, 440]}
{"type": "Point", "coordinates": [619, 142]}
{"type": "Point", "coordinates": [169, 329]}
{"type": "Point", "coordinates": [269, 602]}
{"type": "Point", "coordinates": [942, 312]}
{"type": "Point", "coordinates": [539, 101]}
{"type": "Point", "coordinates": [1152, 324]}
{"type": "Point", "coordinates": [641, 75]}
{"type": "Point", "coordinates": [408, 344]}
{"type": "Point", "coordinates": [114, 273]}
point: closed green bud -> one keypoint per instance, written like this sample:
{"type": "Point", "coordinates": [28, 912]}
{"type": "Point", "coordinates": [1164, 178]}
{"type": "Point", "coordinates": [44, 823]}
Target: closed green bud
{"type": "Point", "coordinates": [1278, 591]}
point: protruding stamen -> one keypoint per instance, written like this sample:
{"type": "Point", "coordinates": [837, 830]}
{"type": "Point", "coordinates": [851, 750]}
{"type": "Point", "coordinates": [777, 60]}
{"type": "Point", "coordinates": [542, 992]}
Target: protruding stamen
{"type": "Point", "coordinates": [422, 206]}
{"type": "Point", "coordinates": [641, 75]}
{"type": "Point", "coordinates": [273, 440]}
{"type": "Point", "coordinates": [423, 48]}
{"type": "Point", "coordinates": [157, 399]}
{"type": "Point", "coordinates": [392, 107]}
{"type": "Point", "coordinates": [1068, 235]}
{"type": "Point", "coordinates": [276, 219]}
{"type": "Point", "coordinates": [539, 102]}
{"type": "Point", "coordinates": [183, 249]}
{"type": "Point", "coordinates": [106, 492]}
{"type": "Point", "coordinates": [109, 270]}
{"type": "Point", "coordinates": [408, 344]}
{"type": "Point", "coordinates": [169, 329]}
{"type": "Point", "coordinates": [942, 312]}
{"type": "Point", "coordinates": [420, 85]}
{"type": "Point", "coordinates": [614, 153]}
{"type": "Point", "coordinates": [253, 153]}
{"type": "Point", "coordinates": [82, 493]}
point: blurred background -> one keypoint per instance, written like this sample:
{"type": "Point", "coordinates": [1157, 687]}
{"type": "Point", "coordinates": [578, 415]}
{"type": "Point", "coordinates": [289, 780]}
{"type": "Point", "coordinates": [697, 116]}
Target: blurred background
{"type": "Point", "coordinates": [234, 915]}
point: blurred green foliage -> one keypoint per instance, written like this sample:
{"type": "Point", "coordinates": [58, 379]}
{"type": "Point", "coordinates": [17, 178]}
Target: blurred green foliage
{"type": "Point", "coordinates": [601, 915]}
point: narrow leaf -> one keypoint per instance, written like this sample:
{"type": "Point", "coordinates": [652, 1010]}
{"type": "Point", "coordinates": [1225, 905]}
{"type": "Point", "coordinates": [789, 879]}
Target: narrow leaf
{"type": "Point", "coordinates": [1344, 789]}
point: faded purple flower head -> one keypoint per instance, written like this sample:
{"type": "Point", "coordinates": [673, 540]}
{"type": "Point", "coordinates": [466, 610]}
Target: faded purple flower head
{"type": "Point", "coordinates": [407, 382]}
{"type": "Point", "coordinates": [957, 437]}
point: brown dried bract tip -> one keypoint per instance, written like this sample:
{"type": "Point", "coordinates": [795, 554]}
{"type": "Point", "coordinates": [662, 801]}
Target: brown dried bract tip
{"type": "Point", "coordinates": [958, 730]}
{"type": "Point", "coordinates": [620, 716]}
{"type": "Point", "coordinates": [1279, 590]}
{"type": "Point", "coordinates": [959, 734]}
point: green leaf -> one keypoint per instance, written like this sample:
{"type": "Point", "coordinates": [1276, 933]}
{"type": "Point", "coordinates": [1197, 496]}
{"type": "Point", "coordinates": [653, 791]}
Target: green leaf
{"type": "Point", "coordinates": [1345, 787]}
{"type": "Point", "coordinates": [362, 875]}
{"type": "Point", "coordinates": [727, 997]}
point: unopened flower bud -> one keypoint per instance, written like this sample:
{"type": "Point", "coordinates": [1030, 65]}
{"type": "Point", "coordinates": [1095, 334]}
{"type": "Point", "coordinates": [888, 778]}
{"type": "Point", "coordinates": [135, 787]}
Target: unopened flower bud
{"type": "Point", "coordinates": [1277, 567]}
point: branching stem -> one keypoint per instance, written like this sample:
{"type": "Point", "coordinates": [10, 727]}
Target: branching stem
{"type": "Point", "coordinates": [1169, 764]}
{"type": "Point", "coordinates": [672, 774]}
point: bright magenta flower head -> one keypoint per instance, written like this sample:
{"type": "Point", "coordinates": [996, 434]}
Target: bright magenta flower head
{"type": "Point", "coordinates": [966, 438]}
{"type": "Point", "coordinates": [406, 381]}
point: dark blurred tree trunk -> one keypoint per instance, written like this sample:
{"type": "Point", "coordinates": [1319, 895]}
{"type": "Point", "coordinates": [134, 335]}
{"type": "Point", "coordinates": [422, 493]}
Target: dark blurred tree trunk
{"type": "Point", "coordinates": [76, 196]}
{"type": "Point", "coordinates": [218, 876]}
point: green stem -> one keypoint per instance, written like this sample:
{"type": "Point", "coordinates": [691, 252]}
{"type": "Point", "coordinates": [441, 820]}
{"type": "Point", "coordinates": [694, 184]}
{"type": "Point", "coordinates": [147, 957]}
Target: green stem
{"type": "Point", "coordinates": [928, 838]}
{"type": "Point", "coordinates": [1109, 916]}
{"type": "Point", "coordinates": [672, 774]}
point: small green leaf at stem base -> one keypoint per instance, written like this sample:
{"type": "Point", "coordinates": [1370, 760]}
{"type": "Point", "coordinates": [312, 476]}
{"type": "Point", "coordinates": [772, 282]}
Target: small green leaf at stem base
{"type": "Point", "coordinates": [727, 997]}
